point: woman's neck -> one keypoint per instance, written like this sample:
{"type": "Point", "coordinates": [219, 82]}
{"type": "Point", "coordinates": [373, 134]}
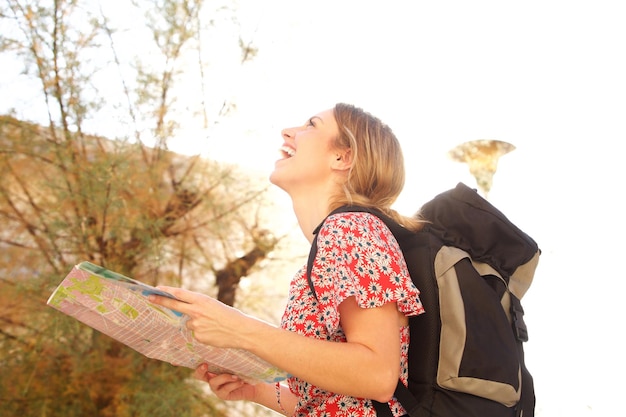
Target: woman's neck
{"type": "Point", "coordinates": [310, 213]}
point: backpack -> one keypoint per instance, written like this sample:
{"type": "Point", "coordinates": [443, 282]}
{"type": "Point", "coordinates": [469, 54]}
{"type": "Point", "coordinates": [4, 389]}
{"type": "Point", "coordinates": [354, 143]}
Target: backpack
{"type": "Point", "coordinates": [472, 266]}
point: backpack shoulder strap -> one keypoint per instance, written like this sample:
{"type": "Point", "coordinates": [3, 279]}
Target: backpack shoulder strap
{"type": "Point", "coordinates": [311, 259]}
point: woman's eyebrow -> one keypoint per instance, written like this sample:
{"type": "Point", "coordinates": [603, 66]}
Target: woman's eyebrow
{"type": "Point", "coordinates": [316, 117]}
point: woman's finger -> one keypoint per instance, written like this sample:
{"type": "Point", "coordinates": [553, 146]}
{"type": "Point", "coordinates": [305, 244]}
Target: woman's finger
{"type": "Point", "coordinates": [171, 303]}
{"type": "Point", "coordinates": [182, 294]}
{"type": "Point", "coordinates": [202, 373]}
{"type": "Point", "coordinates": [223, 385]}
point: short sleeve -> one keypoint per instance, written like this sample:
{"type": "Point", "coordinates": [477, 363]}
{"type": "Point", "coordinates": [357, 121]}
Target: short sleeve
{"type": "Point", "coordinates": [358, 256]}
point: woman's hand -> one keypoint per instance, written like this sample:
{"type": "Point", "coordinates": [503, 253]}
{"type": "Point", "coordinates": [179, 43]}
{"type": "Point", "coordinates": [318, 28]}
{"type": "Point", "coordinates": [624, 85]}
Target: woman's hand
{"type": "Point", "coordinates": [231, 388]}
{"type": "Point", "coordinates": [227, 387]}
{"type": "Point", "coordinates": [212, 322]}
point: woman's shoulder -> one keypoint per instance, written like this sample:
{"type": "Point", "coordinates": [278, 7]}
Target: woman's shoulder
{"type": "Point", "coordinates": [358, 217]}
{"type": "Point", "coordinates": [357, 228]}
{"type": "Point", "coordinates": [361, 220]}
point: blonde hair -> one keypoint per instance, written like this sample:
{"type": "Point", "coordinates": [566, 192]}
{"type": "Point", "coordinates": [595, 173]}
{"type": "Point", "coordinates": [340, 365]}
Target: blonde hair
{"type": "Point", "coordinates": [376, 176]}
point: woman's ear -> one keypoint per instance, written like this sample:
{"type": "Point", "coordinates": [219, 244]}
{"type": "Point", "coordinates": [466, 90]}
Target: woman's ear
{"type": "Point", "coordinates": [343, 160]}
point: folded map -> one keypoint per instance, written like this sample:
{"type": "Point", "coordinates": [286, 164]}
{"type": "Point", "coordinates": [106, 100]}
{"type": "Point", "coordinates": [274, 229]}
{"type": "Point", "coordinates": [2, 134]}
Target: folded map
{"type": "Point", "coordinates": [118, 306]}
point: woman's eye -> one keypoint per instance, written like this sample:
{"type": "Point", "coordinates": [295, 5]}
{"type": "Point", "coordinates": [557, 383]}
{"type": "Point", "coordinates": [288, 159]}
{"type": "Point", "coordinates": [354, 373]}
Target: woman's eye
{"type": "Point", "coordinates": [310, 122]}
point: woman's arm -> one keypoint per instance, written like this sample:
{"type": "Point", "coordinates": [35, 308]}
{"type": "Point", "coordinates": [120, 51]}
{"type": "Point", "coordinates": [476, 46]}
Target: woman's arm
{"type": "Point", "coordinates": [367, 366]}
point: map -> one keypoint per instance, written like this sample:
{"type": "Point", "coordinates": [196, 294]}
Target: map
{"type": "Point", "coordinates": [118, 307]}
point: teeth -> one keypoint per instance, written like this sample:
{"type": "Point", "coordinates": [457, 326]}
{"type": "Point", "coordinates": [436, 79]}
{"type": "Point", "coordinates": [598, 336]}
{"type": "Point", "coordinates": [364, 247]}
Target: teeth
{"type": "Point", "coordinates": [289, 151]}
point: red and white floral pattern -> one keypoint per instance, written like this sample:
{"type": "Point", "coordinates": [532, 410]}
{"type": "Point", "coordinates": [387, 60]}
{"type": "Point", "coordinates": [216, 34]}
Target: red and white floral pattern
{"type": "Point", "coordinates": [357, 256]}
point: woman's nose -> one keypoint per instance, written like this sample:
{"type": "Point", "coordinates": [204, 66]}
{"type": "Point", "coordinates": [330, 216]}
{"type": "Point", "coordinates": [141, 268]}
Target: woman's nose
{"type": "Point", "coordinates": [288, 133]}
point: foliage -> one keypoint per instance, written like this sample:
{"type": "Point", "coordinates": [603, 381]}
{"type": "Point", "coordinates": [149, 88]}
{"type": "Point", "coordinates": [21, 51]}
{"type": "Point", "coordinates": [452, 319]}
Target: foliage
{"type": "Point", "coordinates": [67, 195]}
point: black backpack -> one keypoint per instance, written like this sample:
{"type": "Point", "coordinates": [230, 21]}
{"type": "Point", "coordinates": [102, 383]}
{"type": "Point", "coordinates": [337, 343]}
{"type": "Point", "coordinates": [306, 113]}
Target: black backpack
{"type": "Point", "coordinates": [472, 267]}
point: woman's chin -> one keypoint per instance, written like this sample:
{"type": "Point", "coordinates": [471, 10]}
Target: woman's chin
{"type": "Point", "coordinates": [275, 178]}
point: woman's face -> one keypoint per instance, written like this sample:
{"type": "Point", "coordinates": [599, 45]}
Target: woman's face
{"type": "Point", "coordinates": [308, 160]}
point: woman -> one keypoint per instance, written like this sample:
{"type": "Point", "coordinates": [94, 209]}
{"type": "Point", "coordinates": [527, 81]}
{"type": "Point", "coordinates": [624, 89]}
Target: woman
{"type": "Point", "coordinates": [350, 344]}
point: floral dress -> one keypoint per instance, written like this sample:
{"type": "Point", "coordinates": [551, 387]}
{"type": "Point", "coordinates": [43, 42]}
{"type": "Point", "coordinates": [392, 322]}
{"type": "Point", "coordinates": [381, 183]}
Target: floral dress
{"type": "Point", "coordinates": [357, 256]}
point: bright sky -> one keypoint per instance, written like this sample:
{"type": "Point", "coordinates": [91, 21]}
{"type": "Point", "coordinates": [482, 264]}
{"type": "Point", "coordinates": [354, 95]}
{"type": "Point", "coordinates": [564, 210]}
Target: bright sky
{"type": "Point", "coordinates": [547, 76]}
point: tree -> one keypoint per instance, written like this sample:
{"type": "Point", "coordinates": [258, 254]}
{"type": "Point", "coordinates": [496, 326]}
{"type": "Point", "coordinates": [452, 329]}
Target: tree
{"type": "Point", "coordinates": [67, 195]}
